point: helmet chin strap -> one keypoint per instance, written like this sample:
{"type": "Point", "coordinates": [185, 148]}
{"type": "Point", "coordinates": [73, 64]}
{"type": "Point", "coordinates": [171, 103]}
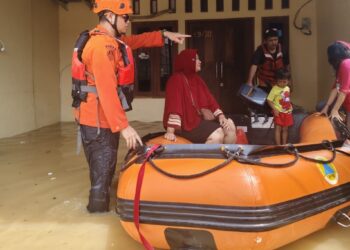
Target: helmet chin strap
{"type": "Point", "coordinates": [114, 26]}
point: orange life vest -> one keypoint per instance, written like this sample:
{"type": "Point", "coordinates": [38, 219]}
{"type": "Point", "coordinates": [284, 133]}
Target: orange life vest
{"type": "Point", "coordinates": [267, 71]}
{"type": "Point", "coordinates": [125, 75]}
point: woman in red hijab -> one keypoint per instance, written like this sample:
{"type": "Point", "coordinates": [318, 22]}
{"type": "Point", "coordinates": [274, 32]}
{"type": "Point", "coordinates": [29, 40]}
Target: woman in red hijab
{"type": "Point", "coordinates": [190, 109]}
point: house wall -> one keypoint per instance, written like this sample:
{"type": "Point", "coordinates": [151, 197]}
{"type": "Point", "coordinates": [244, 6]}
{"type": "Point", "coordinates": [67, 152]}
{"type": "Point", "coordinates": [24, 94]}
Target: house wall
{"type": "Point", "coordinates": [72, 22]}
{"type": "Point", "coordinates": [28, 66]}
{"type": "Point", "coordinates": [302, 48]}
{"type": "Point", "coordinates": [34, 68]}
{"type": "Point", "coordinates": [333, 24]}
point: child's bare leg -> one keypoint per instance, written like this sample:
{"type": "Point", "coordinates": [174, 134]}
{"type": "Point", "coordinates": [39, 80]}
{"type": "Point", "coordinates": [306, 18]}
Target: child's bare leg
{"type": "Point", "coordinates": [278, 134]}
{"type": "Point", "coordinates": [284, 135]}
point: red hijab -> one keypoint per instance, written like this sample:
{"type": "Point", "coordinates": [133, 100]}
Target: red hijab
{"type": "Point", "coordinates": [186, 92]}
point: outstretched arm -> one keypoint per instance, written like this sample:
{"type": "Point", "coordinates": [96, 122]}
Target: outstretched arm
{"type": "Point", "coordinates": [175, 37]}
{"type": "Point", "coordinates": [152, 39]}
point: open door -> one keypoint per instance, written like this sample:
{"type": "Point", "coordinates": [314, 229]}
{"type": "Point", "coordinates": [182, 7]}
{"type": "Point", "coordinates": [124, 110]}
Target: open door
{"type": "Point", "coordinates": [225, 48]}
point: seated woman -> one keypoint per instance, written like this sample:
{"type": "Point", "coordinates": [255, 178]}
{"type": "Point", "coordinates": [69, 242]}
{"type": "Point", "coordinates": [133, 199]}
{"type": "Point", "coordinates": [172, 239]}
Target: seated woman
{"type": "Point", "coordinates": [190, 109]}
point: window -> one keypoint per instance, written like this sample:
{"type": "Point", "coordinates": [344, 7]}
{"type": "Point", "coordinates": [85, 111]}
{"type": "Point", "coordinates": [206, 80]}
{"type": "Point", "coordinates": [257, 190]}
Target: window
{"type": "Point", "coordinates": [172, 6]}
{"type": "Point", "coordinates": [188, 6]}
{"type": "Point", "coordinates": [204, 5]}
{"type": "Point", "coordinates": [166, 65]}
{"type": "Point", "coordinates": [136, 6]}
{"type": "Point", "coordinates": [285, 4]}
{"type": "Point", "coordinates": [268, 4]}
{"type": "Point", "coordinates": [153, 66]}
{"type": "Point", "coordinates": [235, 5]}
{"type": "Point", "coordinates": [154, 6]}
{"type": "Point", "coordinates": [251, 4]}
{"type": "Point", "coordinates": [219, 5]}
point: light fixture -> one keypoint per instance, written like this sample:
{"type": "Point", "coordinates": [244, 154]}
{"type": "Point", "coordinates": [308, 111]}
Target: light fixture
{"type": "Point", "coordinates": [305, 26]}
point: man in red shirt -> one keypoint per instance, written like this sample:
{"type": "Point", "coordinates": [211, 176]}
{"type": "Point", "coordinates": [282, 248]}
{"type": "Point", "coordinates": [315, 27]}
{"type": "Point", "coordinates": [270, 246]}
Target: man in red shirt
{"type": "Point", "coordinates": [267, 59]}
{"type": "Point", "coordinates": [109, 64]}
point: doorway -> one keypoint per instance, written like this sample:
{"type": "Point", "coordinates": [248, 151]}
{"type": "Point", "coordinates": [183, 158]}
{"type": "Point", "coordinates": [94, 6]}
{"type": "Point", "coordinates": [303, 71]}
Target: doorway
{"type": "Point", "coordinates": [282, 24]}
{"type": "Point", "coordinates": [225, 48]}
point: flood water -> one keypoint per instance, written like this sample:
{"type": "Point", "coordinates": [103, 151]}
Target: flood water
{"type": "Point", "coordinates": [44, 189]}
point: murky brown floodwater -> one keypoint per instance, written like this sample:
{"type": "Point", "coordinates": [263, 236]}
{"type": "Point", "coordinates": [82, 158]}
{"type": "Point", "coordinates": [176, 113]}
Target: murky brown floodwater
{"type": "Point", "coordinates": [43, 194]}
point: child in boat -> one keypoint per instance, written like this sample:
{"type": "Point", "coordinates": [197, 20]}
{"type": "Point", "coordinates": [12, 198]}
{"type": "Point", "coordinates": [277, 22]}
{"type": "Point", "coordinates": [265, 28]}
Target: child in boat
{"type": "Point", "coordinates": [279, 101]}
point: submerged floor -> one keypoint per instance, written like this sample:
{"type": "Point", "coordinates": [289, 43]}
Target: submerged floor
{"type": "Point", "coordinates": [43, 194]}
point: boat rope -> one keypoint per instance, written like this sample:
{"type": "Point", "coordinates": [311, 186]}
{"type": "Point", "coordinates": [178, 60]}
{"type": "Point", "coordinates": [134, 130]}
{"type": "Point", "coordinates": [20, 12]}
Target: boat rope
{"type": "Point", "coordinates": [200, 174]}
{"type": "Point", "coordinates": [139, 153]}
{"type": "Point", "coordinates": [236, 155]}
{"type": "Point", "coordinates": [329, 146]}
{"type": "Point", "coordinates": [127, 160]}
{"type": "Point", "coordinates": [290, 149]}
{"type": "Point", "coordinates": [231, 156]}
{"type": "Point", "coordinates": [342, 152]}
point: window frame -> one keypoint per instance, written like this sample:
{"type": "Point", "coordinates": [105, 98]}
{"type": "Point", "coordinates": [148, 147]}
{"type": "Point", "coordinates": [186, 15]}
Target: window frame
{"type": "Point", "coordinates": [155, 55]}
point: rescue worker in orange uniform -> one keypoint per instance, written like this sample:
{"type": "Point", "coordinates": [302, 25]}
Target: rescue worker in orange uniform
{"type": "Point", "coordinates": [101, 116]}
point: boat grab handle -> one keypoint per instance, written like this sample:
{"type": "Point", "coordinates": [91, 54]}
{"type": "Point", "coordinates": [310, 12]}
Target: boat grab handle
{"type": "Point", "coordinates": [346, 218]}
{"type": "Point", "coordinates": [329, 146]}
{"type": "Point", "coordinates": [229, 159]}
{"type": "Point", "coordinates": [231, 156]}
{"type": "Point", "coordinates": [236, 155]}
{"type": "Point", "coordinates": [140, 152]}
{"type": "Point", "coordinates": [290, 149]}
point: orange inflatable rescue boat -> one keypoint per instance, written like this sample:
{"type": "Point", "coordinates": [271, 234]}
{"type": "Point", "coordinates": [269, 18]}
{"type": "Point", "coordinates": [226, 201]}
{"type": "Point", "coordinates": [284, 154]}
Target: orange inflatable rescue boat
{"type": "Point", "coordinates": [200, 196]}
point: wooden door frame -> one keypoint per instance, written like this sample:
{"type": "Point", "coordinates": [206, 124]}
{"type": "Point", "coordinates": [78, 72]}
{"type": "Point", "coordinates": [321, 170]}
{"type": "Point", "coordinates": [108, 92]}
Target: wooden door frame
{"type": "Point", "coordinates": [248, 51]}
{"type": "Point", "coordinates": [187, 23]}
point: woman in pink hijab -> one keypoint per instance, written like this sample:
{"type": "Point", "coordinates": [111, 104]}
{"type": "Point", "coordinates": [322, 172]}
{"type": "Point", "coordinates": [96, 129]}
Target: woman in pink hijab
{"type": "Point", "coordinates": [190, 109]}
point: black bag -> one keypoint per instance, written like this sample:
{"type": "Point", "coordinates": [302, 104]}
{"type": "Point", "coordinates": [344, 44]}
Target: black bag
{"type": "Point", "coordinates": [78, 70]}
{"type": "Point", "coordinates": [126, 96]}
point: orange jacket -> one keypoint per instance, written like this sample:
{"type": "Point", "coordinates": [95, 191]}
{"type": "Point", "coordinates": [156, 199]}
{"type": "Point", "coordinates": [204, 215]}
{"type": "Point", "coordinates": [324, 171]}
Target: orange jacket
{"type": "Point", "coordinates": [102, 58]}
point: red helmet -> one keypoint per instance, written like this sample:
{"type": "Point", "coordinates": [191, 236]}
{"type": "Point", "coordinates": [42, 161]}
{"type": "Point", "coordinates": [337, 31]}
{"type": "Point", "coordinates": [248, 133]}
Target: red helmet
{"type": "Point", "coordinates": [119, 7]}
